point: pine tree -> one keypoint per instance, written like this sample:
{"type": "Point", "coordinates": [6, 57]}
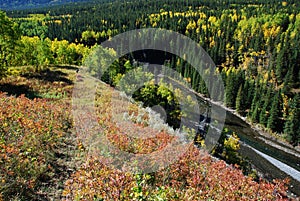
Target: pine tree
{"type": "Point", "coordinates": [288, 81]}
{"type": "Point", "coordinates": [194, 78]}
{"type": "Point", "coordinates": [248, 90]}
{"type": "Point", "coordinates": [273, 122]}
{"type": "Point", "coordinates": [230, 90]}
{"type": "Point", "coordinates": [255, 104]}
{"type": "Point", "coordinates": [240, 101]}
{"type": "Point", "coordinates": [291, 127]}
{"type": "Point", "coordinates": [263, 118]}
{"type": "Point", "coordinates": [279, 66]}
{"type": "Point", "coordinates": [254, 115]}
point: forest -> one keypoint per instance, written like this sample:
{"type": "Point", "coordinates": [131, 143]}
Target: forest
{"type": "Point", "coordinates": [29, 4]}
{"type": "Point", "coordinates": [254, 45]}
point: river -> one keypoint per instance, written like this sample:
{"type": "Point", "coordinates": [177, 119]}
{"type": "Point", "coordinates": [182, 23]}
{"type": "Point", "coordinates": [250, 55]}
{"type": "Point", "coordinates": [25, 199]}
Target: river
{"type": "Point", "coordinates": [275, 160]}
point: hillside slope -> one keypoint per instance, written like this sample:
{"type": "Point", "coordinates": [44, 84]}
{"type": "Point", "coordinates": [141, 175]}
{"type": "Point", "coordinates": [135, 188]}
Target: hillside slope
{"type": "Point", "coordinates": [27, 4]}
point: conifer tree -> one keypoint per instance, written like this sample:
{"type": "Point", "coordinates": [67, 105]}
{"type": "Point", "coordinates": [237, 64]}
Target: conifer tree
{"type": "Point", "coordinates": [263, 118]}
{"type": "Point", "coordinates": [273, 122]}
{"type": "Point", "coordinates": [254, 115]}
{"type": "Point", "coordinates": [229, 91]}
{"type": "Point", "coordinates": [291, 127]}
{"type": "Point", "coordinates": [241, 101]}
{"type": "Point", "coordinates": [248, 90]}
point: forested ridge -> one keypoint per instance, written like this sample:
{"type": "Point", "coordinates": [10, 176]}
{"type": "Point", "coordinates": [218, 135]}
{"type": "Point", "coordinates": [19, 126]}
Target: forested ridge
{"type": "Point", "coordinates": [29, 4]}
{"type": "Point", "coordinates": [255, 45]}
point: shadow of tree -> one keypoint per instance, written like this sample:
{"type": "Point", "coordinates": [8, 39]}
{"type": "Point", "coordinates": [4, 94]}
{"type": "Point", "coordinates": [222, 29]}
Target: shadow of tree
{"type": "Point", "coordinates": [67, 67]}
{"type": "Point", "coordinates": [17, 90]}
{"type": "Point", "coordinates": [50, 76]}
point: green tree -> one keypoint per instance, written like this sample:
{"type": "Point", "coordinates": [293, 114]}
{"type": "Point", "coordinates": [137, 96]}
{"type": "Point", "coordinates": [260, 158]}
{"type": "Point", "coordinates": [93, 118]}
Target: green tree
{"type": "Point", "coordinates": [89, 38]}
{"type": "Point", "coordinates": [99, 60]}
{"type": "Point", "coordinates": [291, 127]}
{"type": "Point", "coordinates": [240, 104]}
{"type": "Point", "coordinates": [255, 113]}
{"type": "Point", "coordinates": [44, 56]}
{"type": "Point", "coordinates": [273, 120]}
{"type": "Point", "coordinates": [263, 117]}
{"type": "Point", "coordinates": [29, 50]}
{"type": "Point", "coordinates": [230, 90]}
{"type": "Point", "coordinates": [9, 37]}
{"type": "Point", "coordinates": [249, 91]}
{"type": "Point", "coordinates": [279, 65]}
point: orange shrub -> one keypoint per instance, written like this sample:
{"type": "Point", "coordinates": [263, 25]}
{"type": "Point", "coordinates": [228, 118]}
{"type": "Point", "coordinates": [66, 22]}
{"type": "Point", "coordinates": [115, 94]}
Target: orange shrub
{"type": "Point", "coordinates": [29, 132]}
{"type": "Point", "coordinates": [194, 176]}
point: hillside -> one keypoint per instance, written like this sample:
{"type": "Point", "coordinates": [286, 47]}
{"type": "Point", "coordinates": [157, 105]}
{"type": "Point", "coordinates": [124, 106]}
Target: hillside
{"type": "Point", "coordinates": [28, 4]}
{"type": "Point", "coordinates": [49, 157]}
{"type": "Point", "coordinates": [64, 135]}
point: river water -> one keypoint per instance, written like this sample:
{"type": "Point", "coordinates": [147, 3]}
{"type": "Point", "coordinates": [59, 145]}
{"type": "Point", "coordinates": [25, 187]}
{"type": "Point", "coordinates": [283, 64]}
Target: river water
{"type": "Point", "coordinates": [271, 158]}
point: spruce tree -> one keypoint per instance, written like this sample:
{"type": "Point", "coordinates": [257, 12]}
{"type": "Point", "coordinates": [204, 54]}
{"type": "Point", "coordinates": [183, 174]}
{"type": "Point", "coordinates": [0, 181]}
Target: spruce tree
{"type": "Point", "coordinates": [263, 118]}
{"type": "Point", "coordinates": [291, 127]}
{"type": "Point", "coordinates": [255, 104]}
{"type": "Point", "coordinates": [254, 115]}
{"type": "Point", "coordinates": [279, 66]}
{"type": "Point", "coordinates": [249, 93]}
{"type": "Point", "coordinates": [229, 91]}
{"type": "Point", "coordinates": [240, 101]}
{"type": "Point", "coordinates": [273, 122]}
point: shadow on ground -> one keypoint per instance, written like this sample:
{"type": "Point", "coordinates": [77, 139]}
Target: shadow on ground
{"type": "Point", "coordinates": [17, 90]}
{"type": "Point", "coordinates": [67, 67]}
{"type": "Point", "coordinates": [50, 76]}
